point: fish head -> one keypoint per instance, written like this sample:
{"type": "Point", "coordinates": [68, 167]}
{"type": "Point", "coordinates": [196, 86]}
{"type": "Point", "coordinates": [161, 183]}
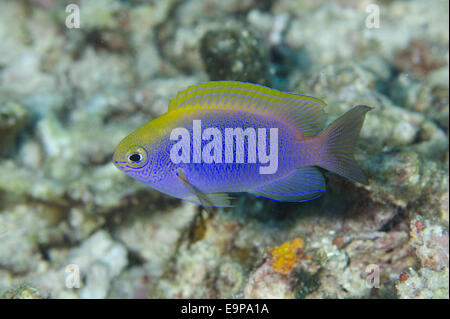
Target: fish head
{"type": "Point", "coordinates": [132, 157]}
{"type": "Point", "coordinates": [143, 156]}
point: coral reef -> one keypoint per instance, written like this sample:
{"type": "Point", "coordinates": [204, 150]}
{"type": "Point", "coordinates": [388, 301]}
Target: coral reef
{"type": "Point", "coordinates": [431, 246]}
{"type": "Point", "coordinates": [23, 292]}
{"type": "Point", "coordinates": [234, 54]}
{"type": "Point", "coordinates": [12, 119]}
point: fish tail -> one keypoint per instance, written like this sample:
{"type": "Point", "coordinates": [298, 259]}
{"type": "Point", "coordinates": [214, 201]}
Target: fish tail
{"type": "Point", "coordinates": [340, 139]}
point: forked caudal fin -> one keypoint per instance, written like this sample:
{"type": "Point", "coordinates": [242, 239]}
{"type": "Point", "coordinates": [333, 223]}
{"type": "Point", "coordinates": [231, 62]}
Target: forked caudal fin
{"type": "Point", "coordinates": [340, 138]}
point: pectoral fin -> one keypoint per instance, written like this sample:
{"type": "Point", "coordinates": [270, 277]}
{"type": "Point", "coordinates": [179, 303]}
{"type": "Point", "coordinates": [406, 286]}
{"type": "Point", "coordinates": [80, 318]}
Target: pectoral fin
{"type": "Point", "coordinates": [215, 199]}
{"type": "Point", "coordinates": [206, 200]}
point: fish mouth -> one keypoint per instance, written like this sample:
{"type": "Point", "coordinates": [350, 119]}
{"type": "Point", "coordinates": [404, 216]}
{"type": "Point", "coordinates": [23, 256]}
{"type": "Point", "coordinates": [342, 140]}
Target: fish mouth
{"type": "Point", "coordinates": [120, 164]}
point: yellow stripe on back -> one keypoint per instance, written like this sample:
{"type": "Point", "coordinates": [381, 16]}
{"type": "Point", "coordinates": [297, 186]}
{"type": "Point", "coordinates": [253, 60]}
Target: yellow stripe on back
{"type": "Point", "coordinates": [305, 112]}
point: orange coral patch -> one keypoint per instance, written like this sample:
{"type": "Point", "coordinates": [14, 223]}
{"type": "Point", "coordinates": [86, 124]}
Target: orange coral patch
{"type": "Point", "coordinates": [285, 257]}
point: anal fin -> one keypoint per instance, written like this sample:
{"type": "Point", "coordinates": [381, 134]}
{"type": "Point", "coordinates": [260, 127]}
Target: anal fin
{"type": "Point", "coordinates": [298, 186]}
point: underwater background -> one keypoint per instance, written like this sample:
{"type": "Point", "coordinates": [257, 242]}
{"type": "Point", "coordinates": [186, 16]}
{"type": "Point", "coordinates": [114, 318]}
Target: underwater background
{"type": "Point", "coordinates": [74, 226]}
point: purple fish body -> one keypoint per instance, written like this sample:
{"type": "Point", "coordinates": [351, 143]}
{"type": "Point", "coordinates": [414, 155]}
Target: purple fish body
{"type": "Point", "coordinates": [228, 137]}
{"type": "Point", "coordinates": [237, 177]}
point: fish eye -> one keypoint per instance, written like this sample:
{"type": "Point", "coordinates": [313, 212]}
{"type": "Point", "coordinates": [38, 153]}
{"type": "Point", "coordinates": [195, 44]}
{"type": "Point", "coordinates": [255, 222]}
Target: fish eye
{"type": "Point", "coordinates": [137, 157]}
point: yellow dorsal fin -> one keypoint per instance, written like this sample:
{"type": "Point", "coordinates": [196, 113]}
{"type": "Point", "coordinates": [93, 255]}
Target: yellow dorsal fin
{"type": "Point", "coordinates": [305, 112]}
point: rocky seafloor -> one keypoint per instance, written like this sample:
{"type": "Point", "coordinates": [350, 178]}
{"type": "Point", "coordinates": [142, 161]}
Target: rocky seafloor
{"type": "Point", "coordinates": [68, 96]}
